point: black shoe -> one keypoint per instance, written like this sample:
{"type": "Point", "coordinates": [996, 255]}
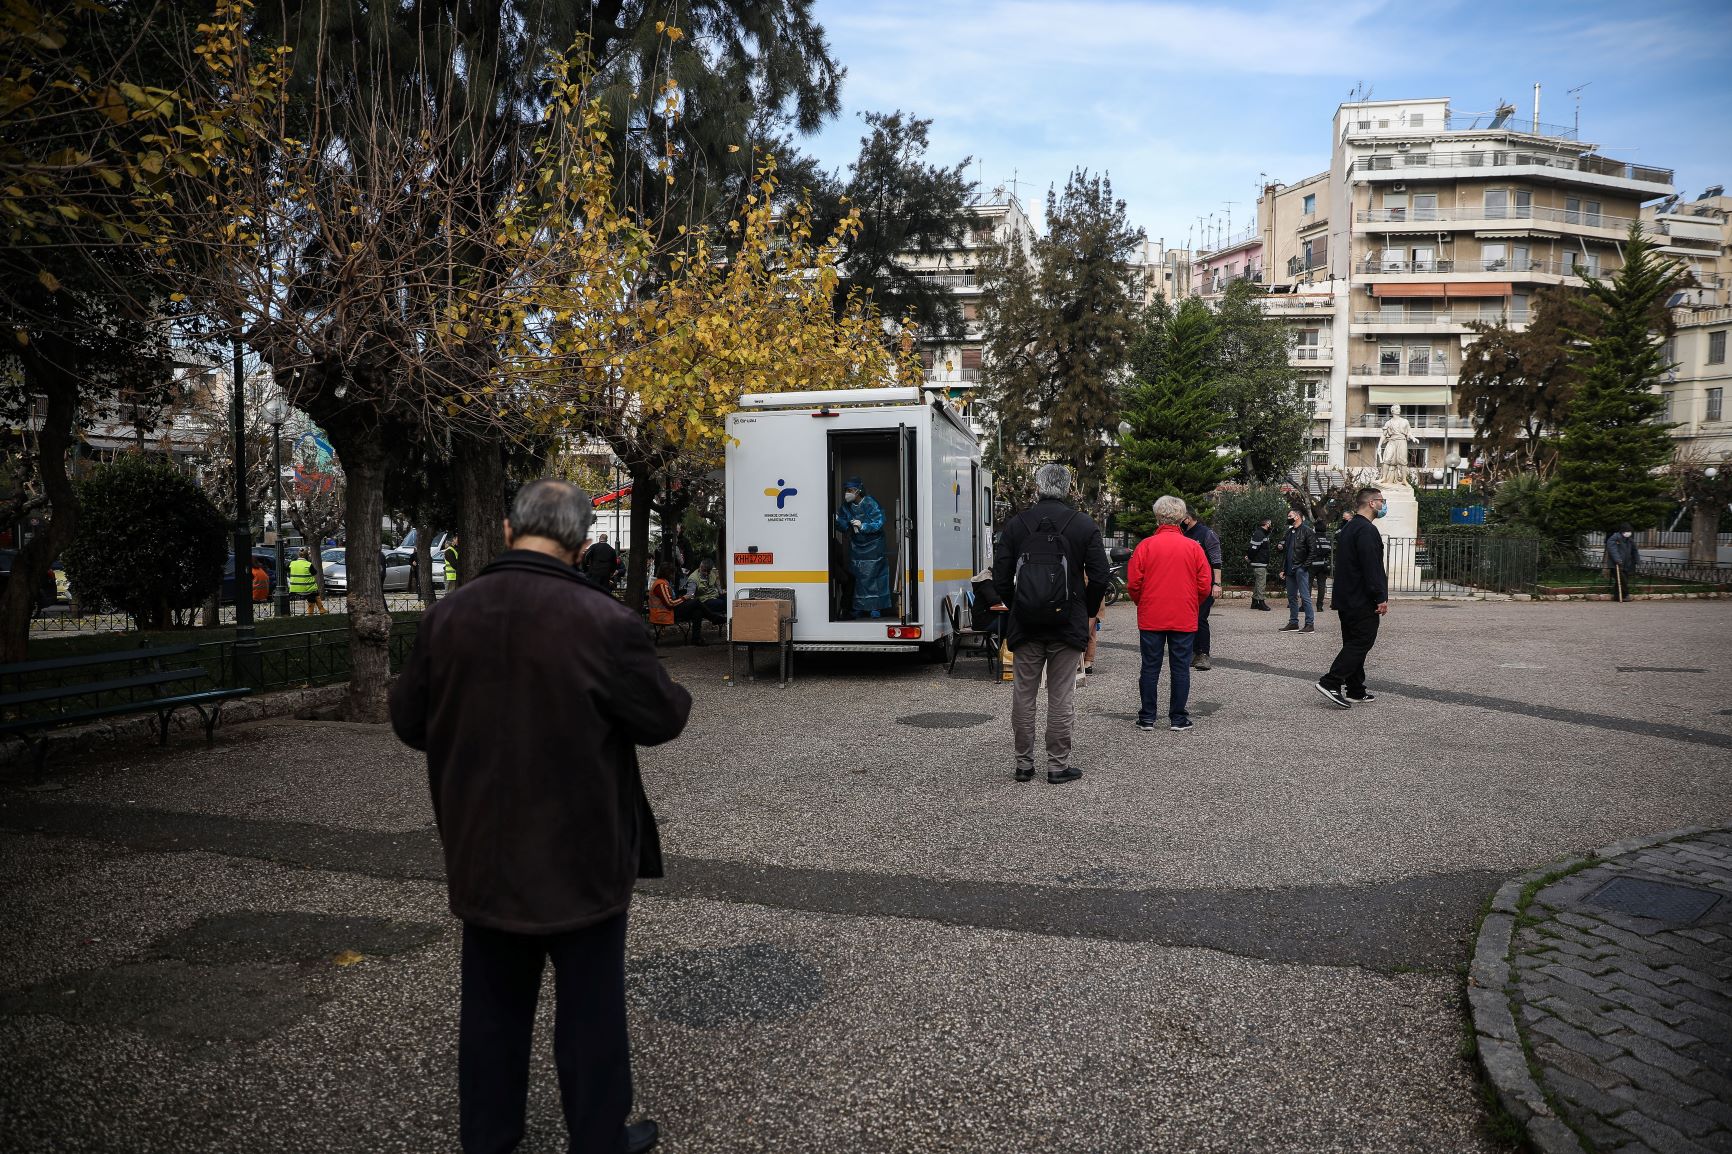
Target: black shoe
{"type": "Point", "coordinates": [1290, 626]}
{"type": "Point", "coordinates": [1366, 696]}
{"type": "Point", "coordinates": [1309, 628]}
{"type": "Point", "coordinates": [1263, 605]}
{"type": "Point", "coordinates": [1180, 725]}
{"type": "Point", "coordinates": [641, 1136]}
{"type": "Point", "coordinates": [1335, 696]}
{"type": "Point", "coordinates": [1069, 774]}
{"type": "Point", "coordinates": [1146, 726]}
{"type": "Point", "coordinates": [1025, 774]}
{"type": "Point", "coordinates": [1201, 661]}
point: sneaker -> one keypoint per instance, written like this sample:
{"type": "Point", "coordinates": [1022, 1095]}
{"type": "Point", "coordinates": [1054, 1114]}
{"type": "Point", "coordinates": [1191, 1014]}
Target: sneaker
{"type": "Point", "coordinates": [1089, 669]}
{"type": "Point", "coordinates": [1291, 625]}
{"type": "Point", "coordinates": [1025, 773]}
{"type": "Point", "coordinates": [1335, 696]}
{"type": "Point", "coordinates": [1064, 775]}
{"type": "Point", "coordinates": [1366, 696]}
{"type": "Point", "coordinates": [1201, 661]}
{"type": "Point", "coordinates": [1309, 628]}
{"type": "Point", "coordinates": [1180, 725]}
{"type": "Point", "coordinates": [1146, 726]}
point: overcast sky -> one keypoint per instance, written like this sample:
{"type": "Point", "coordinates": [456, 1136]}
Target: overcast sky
{"type": "Point", "coordinates": [1188, 105]}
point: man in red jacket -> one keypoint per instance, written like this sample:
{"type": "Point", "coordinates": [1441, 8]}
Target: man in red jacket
{"type": "Point", "coordinates": [1168, 578]}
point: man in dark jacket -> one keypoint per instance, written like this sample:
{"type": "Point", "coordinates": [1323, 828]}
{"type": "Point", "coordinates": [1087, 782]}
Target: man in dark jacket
{"type": "Point", "coordinates": [599, 562]}
{"type": "Point", "coordinates": [1298, 549]}
{"type": "Point", "coordinates": [1361, 599]}
{"type": "Point", "coordinates": [1040, 559]}
{"type": "Point", "coordinates": [1257, 556]}
{"type": "Point", "coordinates": [1622, 556]}
{"type": "Point", "coordinates": [1197, 531]}
{"type": "Point", "coordinates": [530, 689]}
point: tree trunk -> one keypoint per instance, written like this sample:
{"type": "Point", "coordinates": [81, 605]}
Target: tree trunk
{"type": "Point", "coordinates": [369, 620]}
{"type": "Point", "coordinates": [1704, 530]}
{"type": "Point", "coordinates": [424, 563]}
{"type": "Point", "coordinates": [643, 491]}
{"type": "Point", "coordinates": [479, 466]}
{"type": "Point", "coordinates": [44, 374]}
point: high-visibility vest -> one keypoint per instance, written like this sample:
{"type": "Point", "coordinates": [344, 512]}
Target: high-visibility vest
{"type": "Point", "coordinates": [301, 579]}
{"type": "Point", "coordinates": [450, 560]}
{"type": "Point", "coordinates": [261, 583]}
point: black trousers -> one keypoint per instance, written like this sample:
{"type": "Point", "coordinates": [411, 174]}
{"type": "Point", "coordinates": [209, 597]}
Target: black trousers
{"type": "Point", "coordinates": [501, 982]}
{"type": "Point", "coordinates": [1201, 644]}
{"type": "Point", "coordinates": [1358, 635]}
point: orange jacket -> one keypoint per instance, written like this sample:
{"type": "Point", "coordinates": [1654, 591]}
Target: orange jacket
{"type": "Point", "coordinates": [261, 583]}
{"type": "Point", "coordinates": [662, 602]}
{"type": "Point", "coordinates": [1168, 578]}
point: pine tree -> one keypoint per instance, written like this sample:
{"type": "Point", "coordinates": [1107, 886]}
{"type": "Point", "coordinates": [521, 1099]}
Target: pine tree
{"type": "Point", "coordinates": [1058, 324]}
{"type": "Point", "coordinates": [1613, 444]}
{"type": "Point", "coordinates": [1173, 406]}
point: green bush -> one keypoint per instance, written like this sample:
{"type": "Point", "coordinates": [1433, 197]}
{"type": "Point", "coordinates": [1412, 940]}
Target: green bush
{"type": "Point", "coordinates": [1237, 512]}
{"type": "Point", "coordinates": [149, 541]}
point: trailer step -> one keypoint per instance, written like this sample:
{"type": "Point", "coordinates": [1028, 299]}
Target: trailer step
{"type": "Point", "coordinates": [853, 647]}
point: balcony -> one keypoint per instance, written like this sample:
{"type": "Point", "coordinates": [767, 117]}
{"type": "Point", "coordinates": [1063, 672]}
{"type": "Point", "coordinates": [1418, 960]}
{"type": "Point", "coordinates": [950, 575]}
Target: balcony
{"type": "Point", "coordinates": [1313, 354]}
{"type": "Point", "coordinates": [1455, 319]}
{"type": "Point", "coordinates": [1499, 121]}
{"type": "Point", "coordinates": [1415, 369]}
{"type": "Point", "coordinates": [1447, 165]}
{"type": "Point", "coordinates": [1284, 303]}
{"type": "Point", "coordinates": [1494, 217]}
{"type": "Point", "coordinates": [1506, 266]}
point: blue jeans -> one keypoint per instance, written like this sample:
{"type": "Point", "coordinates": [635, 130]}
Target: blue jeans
{"type": "Point", "coordinates": [1177, 648]}
{"type": "Point", "coordinates": [1299, 593]}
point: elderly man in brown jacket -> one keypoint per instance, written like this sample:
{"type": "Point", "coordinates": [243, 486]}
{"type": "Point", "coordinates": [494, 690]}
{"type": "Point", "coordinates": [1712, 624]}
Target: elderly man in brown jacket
{"type": "Point", "coordinates": [530, 689]}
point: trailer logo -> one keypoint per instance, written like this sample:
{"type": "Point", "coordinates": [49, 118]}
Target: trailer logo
{"type": "Point", "coordinates": [780, 494]}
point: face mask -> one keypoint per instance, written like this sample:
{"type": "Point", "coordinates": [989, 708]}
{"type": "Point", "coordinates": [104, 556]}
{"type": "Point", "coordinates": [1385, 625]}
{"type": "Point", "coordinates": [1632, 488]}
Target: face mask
{"type": "Point", "coordinates": [1629, 535]}
{"type": "Point", "coordinates": [1382, 509]}
{"type": "Point", "coordinates": [851, 496]}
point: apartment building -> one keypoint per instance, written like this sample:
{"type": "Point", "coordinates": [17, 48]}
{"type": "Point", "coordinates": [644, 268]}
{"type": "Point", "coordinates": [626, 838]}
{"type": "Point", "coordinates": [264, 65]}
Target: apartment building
{"type": "Point", "coordinates": [1698, 234]}
{"type": "Point", "coordinates": [1699, 379]}
{"type": "Point", "coordinates": [1428, 219]}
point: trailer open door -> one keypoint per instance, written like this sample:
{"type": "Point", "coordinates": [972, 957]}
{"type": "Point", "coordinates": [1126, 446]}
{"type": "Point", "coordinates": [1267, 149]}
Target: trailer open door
{"type": "Point", "coordinates": [908, 529]}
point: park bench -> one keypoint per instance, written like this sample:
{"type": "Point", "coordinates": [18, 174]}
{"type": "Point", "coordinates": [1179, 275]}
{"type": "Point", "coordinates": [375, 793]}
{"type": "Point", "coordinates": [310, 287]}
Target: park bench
{"type": "Point", "coordinates": [140, 683]}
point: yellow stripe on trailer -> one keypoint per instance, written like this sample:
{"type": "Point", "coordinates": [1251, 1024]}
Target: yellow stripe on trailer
{"type": "Point", "coordinates": [749, 576]}
{"type": "Point", "coordinates": [948, 574]}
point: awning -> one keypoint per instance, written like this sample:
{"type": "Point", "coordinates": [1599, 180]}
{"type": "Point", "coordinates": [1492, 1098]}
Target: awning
{"type": "Point", "coordinates": [1406, 290]}
{"type": "Point", "coordinates": [1524, 234]}
{"type": "Point", "coordinates": [1411, 395]}
{"type": "Point", "coordinates": [1481, 289]}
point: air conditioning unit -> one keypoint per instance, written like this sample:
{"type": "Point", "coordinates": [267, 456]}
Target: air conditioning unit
{"type": "Point", "coordinates": [1398, 188]}
{"type": "Point", "coordinates": [1403, 146]}
{"type": "Point", "coordinates": [1368, 336]}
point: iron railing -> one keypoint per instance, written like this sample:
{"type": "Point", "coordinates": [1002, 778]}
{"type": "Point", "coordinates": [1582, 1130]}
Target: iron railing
{"type": "Point", "coordinates": [1459, 319]}
{"type": "Point", "coordinates": [61, 619]}
{"type": "Point", "coordinates": [1409, 369]}
{"type": "Point", "coordinates": [1512, 158]}
{"type": "Point", "coordinates": [1428, 266]}
{"type": "Point", "coordinates": [1444, 566]}
{"type": "Point", "coordinates": [1479, 216]}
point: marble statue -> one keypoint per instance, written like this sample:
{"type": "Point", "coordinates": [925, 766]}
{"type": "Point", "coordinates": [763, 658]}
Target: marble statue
{"type": "Point", "coordinates": [1392, 447]}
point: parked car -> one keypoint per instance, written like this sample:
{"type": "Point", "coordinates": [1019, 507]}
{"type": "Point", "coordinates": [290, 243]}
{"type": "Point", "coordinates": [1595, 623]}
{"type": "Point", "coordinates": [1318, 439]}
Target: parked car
{"type": "Point", "coordinates": [398, 563]}
{"type": "Point", "coordinates": [44, 596]}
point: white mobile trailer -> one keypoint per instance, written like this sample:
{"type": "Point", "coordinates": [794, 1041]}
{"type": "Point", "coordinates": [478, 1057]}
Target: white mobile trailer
{"type": "Point", "coordinates": [788, 455]}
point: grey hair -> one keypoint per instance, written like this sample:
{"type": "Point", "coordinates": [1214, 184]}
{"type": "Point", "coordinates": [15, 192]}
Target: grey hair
{"type": "Point", "coordinates": [1052, 481]}
{"type": "Point", "coordinates": [555, 509]}
{"type": "Point", "coordinates": [1169, 510]}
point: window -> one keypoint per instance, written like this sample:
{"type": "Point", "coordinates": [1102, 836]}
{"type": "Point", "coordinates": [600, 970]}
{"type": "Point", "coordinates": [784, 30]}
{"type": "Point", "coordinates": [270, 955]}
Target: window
{"type": "Point", "coordinates": [1518, 257]}
{"type": "Point", "coordinates": [1389, 361]}
{"type": "Point", "coordinates": [971, 364]}
{"type": "Point", "coordinates": [1424, 258]}
{"type": "Point", "coordinates": [1572, 210]}
{"type": "Point", "coordinates": [926, 360]}
{"type": "Point", "coordinates": [1496, 203]}
{"type": "Point", "coordinates": [1395, 206]}
{"type": "Point", "coordinates": [1591, 213]}
{"type": "Point", "coordinates": [1714, 398]}
{"type": "Point", "coordinates": [1416, 455]}
{"type": "Point", "coordinates": [1394, 259]}
{"type": "Point", "coordinates": [971, 312]}
{"type": "Point", "coordinates": [1522, 204]}
{"type": "Point", "coordinates": [1425, 206]}
{"type": "Point", "coordinates": [1310, 204]}
{"type": "Point", "coordinates": [1493, 256]}
{"type": "Point", "coordinates": [1306, 343]}
{"type": "Point", "coordinates": [1666, 407]}
{"type": "Point", "coordinates": [1418, 360]}
{"type": "Point", "coordinates": [1717, 348]}
{"type": "Point", "coordinates": [1585, 264]}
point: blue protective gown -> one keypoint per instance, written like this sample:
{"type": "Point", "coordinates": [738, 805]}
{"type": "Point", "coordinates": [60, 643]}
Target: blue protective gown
{"type": "Point", "coordinates": [866, 556]}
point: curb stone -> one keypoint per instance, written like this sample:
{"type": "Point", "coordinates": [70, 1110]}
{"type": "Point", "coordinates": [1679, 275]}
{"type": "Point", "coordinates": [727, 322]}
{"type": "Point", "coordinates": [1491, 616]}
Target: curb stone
{"type": "Point", "coordinates": [1503, 1053]}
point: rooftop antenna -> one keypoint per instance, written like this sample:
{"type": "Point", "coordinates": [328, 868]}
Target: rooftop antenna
{"type": "Point", "coordinates": [1577, 93]}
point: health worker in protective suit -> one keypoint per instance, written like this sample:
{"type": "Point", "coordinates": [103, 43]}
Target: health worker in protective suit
{"type": "Point", "coordinates": [861, 520]}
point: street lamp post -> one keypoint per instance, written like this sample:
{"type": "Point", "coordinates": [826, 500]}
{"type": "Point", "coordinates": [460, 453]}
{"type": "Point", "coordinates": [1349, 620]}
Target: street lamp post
{"type": "Point", "coordinates": [247, 662]}
{"type": "Point", "coordinates": [276, 412]}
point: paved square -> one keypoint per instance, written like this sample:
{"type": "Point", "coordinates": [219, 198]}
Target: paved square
{"type": "Point", "coordinates": [1245, 937]}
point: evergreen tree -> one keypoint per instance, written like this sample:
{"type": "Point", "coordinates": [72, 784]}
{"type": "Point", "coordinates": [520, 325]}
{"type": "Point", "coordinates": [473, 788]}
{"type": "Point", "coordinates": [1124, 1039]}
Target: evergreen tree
{"type": "Point", "coordinates": [1173, 406]}
{"type": "Point", "coordinates": [1613, 443]}
{"type": "Point", "coordinates": [1058, 323]}
{"type": "Point", "coordinates": [1516, 386]}
{"type": "Point", "coordinates": [1267, 416]}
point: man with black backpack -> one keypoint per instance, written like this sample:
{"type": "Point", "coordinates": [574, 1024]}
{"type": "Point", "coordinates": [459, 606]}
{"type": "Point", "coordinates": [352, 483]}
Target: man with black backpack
{"type": "Point", "coordinates": [1041, 558]}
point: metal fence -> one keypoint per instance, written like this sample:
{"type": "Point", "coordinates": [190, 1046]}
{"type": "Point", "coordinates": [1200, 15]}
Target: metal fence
{"type": "Point", "coordinates": [60, 619]}
{"type": "Point", "coordinates": [1460, 566]}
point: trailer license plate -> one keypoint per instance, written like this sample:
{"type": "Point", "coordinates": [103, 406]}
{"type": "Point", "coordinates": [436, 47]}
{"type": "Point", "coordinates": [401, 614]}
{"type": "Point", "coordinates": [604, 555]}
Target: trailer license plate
{"type": "Point", "coordinates": [754, 558]}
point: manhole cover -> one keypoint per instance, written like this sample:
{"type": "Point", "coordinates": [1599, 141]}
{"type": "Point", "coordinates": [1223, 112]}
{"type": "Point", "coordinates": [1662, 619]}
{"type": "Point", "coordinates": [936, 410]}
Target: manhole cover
{"type": "Point", "coordinates": [945, 720]}
{"type": "Point", "coordinates": [1659, 900]}
{"type": "Point", "coordinates": [1658, 669]}
{"type": "Point", "coordinates": [710, 988]}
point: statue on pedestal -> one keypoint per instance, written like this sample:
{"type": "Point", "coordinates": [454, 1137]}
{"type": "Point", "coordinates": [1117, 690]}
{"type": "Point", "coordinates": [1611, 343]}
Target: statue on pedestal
{"type": "Point", "coordinates": [1392, 447]}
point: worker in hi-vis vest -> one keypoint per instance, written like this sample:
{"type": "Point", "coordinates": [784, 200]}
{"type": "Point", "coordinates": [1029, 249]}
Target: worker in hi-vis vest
{"type": "Point", "coordinates": [302, 582]}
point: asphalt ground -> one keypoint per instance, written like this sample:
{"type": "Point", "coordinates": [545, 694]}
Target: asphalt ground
{"type": "Point", "coordinates": [1245, 937]}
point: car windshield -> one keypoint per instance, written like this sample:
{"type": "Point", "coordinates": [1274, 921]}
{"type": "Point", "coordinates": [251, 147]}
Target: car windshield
{"type": "Point", "coordinates": [332, 556]}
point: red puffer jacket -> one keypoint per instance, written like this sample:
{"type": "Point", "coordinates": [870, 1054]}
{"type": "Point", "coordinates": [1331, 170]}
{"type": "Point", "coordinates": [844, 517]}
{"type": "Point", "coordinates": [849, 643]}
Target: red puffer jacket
{"type": "Point", "coordinates": [1168, 578]}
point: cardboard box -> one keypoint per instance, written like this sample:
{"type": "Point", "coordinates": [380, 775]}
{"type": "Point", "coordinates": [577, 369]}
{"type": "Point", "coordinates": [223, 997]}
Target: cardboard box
{"type": "Point", "coordinates": [761, 620]}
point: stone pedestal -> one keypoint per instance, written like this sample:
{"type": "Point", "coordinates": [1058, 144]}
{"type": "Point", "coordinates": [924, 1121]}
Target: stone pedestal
{"type": "Point", "coordinates": [1400, 528]}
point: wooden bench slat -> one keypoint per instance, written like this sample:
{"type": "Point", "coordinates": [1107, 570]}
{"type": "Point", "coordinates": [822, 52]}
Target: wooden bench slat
{"type": "Point", "coordinates": [114, 656]}
{"type": "Point", "coordinates": [88, 688]}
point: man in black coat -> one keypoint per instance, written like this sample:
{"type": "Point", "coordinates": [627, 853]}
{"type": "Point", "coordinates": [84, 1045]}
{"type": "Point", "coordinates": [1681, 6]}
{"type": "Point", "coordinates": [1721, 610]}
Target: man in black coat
{"type": "Point", "coordinates": [599, 562]}
{"type": "Point", "coordinates": [530, 690]}
{"type": "Point", "coordinates": [1039, 560]}
{"type": "Point", "coordinates": [1257, 556]}
{"type": "Point", "coordinates": [1361, 599]}
{"type": "Point", "coordinates": [1622, 557]}
{"type": "Point", "coordinates": [1200, 532]}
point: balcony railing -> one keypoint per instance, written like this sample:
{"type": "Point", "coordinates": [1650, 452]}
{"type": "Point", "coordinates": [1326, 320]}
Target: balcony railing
{"type": "Point", "coordinates": [1409, 369]}
{"type": "Point", "coordinates": [1485, 316]}
{"type": "Point", "coordinates": [1504, 158]}
{"type": "Point", "coordinates": [1419, 420]}
{"type": "Point", "coordinates": [1313, 353]}
{"type": "Point", "coordinates": [1575, 216]}
{"type": "Point", "coordinates": [1505, 265]}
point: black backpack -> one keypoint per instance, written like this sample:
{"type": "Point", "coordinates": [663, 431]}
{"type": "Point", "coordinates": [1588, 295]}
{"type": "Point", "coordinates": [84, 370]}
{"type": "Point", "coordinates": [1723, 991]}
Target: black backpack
{"type": "Point", "coordinates": [1042, 579]}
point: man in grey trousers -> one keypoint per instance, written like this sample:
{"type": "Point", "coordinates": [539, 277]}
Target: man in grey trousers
{"type": "Point", "coordinates": [1041, 558]}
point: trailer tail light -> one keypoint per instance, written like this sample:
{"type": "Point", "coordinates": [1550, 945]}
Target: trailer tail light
{"type": "Point", "coordinates": [903, 632]}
